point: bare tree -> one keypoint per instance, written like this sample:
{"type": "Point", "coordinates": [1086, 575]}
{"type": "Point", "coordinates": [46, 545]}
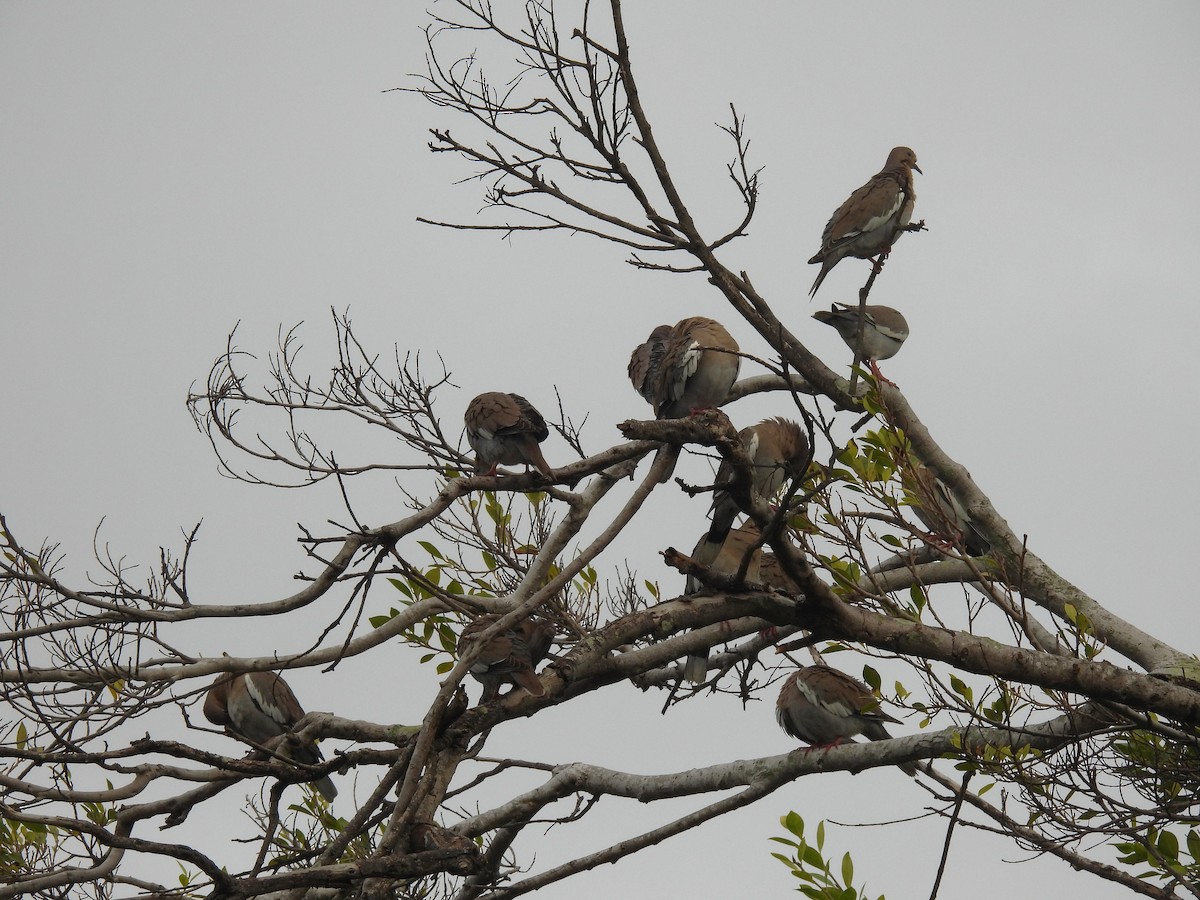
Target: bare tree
{"type": "Point", "coordinates": [1088, 722]}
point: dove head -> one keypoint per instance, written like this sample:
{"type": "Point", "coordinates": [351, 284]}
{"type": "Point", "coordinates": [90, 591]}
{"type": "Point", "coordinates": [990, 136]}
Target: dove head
{"type": "Point", "coordinates": [902, 158]}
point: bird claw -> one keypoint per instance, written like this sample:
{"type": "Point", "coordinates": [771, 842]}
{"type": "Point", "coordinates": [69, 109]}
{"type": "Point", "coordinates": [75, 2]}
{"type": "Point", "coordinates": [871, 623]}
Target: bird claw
{"type": "Point", "coordinates": [879, 376]}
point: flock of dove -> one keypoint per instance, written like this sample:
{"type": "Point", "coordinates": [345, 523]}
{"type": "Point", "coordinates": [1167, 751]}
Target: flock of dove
{"type": "Point", "coordinates": [680, 369]}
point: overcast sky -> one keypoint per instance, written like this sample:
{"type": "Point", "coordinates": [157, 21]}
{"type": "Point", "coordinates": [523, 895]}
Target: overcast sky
{"type": "Point", "coordinates": [170, 170]}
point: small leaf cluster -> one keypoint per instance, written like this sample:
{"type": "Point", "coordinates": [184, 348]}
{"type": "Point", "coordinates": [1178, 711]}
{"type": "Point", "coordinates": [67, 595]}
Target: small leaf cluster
{"type": "Point", "coordinates": [810, 866]}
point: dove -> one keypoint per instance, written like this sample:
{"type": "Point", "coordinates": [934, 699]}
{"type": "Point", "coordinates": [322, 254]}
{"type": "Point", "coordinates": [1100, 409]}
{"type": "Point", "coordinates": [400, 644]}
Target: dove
{"type": "Point", "coordinates": [259, 707]}
{"type": "Point", "coordinates": [823, 707]}
{"type": "Point", "coordinates": [869, 222]}
{"type": "Point", "coordinates": [941, 511]}
{"type": "Point", "coordinates": [778, 450]}
{"type": "Point", "coordinates": [685, 367]}
{"type": "Point", "coordinates": [505, 428]}
{"type": "Point", "coordinates": [510, 656]}
{"type": "Point", "coordinates": [726, 561]}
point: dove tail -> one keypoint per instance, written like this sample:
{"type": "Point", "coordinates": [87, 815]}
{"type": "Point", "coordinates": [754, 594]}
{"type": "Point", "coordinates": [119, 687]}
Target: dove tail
{"type": "Point", "coordinates": [695, 668]}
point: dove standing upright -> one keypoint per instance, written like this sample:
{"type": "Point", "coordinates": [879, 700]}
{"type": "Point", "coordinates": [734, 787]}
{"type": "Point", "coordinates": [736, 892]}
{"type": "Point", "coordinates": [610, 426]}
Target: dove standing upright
{"type": "Point", "coordinates": [823, 707]}
{"type": "Point", "coordinates": [869, 222]}
{"type": "Point", "coordinates": [884, 330]}
{"type": "Point", "coordinates": [510, 656]}
{"type": "Point", "coordinates": [505, 428]}
{"type": "Point", "coordinates": [259, 707]}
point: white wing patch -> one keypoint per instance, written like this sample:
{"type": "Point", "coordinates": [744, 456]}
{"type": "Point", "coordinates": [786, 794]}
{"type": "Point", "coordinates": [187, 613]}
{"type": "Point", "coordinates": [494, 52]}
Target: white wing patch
{"type": "Point", "coordinates": [689, 361]}
{"type": "Point", "coordinates": [881, 220]}
{"type": "Point", "coordinates": [264, 703]}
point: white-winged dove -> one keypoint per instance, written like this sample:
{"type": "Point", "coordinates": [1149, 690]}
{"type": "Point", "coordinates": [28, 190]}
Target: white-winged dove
{"type": "Point", "coordinates": [884, 329]}
{"type": "Point", "coordinates": [823, 707]}
{"type": "Point", "coordinates": [685, 367]}
{"type": "Point", "coordinates": [869, 222]}
{"type": "Point", "coordinates": [778, 450]}
{"type": "Point", "coordinates": [509, 657]}
{"type": "Point", "coordinates": [771, 573]}
{"type": "Point", "coordinates": [738, 543]}
{"type": "Point", "coordinates": [505, 428]}
{"type": "Point", "coordinates": [645, 362]}
{"type": "Point", "coordinates": [940, 511]}
{"type": "Point", "coordinates": [431, 836]}
{"type": "Point", "coordinates": [259, 707]}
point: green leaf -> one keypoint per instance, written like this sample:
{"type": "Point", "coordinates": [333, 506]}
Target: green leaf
{"type": "Point", "coordinates": [918, 596]}
{"type": "Point", "coordinates": [1168, 846]}
{"type": "Point", "coordinates": [847, 870]}
{"type": "Point", "coordinates": [871, 677]}
{"type": "Point", "coordinates": [1131, 853]}
{"type": "Point", "coordinates": [793, 823]}
{"type": "Point", "coordinates": [431, 550]}
{"type": "Point", "coordinates": [962, 689]}
{"type": "Point", "coordinates": [812, 857]}
{"type": "Point", "coordinates": [1193, 844]}
{"type": "Point", "coordinates": [443, 668]}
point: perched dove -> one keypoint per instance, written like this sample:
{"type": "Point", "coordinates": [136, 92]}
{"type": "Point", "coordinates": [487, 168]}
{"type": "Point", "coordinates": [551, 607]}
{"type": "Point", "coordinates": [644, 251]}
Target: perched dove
{"type": "Point", "coordinates": [505, 428]}
{"type": "Point", "coordinates": [771, 574]}
{"type": "Point", "coordinates": [685, 367]}
{"type": "Point", "coordinates": [778, 450]}
{"type": "Point", "coordinates": [510, 656]}
{"type": "Point", "coordinates": [876, 214]}
{"type": "Point", "coordinates": [738, 543]}
{"type": "Point", "coordinates": [645, 362]}
{"type": "Point", "coordinates": [941, 511]}
{"type": "Point", "coordinates": [823, 707]}
{"type": "Point", "coordinates": [259, 707]}
{"type": "Point", "coordinates": [884, 329]}
{"type": "Point", "coordinates": [431, 836]}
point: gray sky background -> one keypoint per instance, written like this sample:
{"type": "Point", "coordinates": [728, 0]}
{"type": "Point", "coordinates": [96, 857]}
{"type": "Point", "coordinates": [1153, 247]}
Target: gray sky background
{"type": "Point", "coordinates": [170, 170]}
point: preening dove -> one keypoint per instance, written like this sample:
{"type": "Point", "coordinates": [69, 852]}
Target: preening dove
{"type": "Point", "coordinates": [509, 657]}
{"type": "Point", "coordinates": [505, 428]}
{"type": "Point", "coordinates": [685, 367]}
{"type": "Point", "coordinates": [259, 707]}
